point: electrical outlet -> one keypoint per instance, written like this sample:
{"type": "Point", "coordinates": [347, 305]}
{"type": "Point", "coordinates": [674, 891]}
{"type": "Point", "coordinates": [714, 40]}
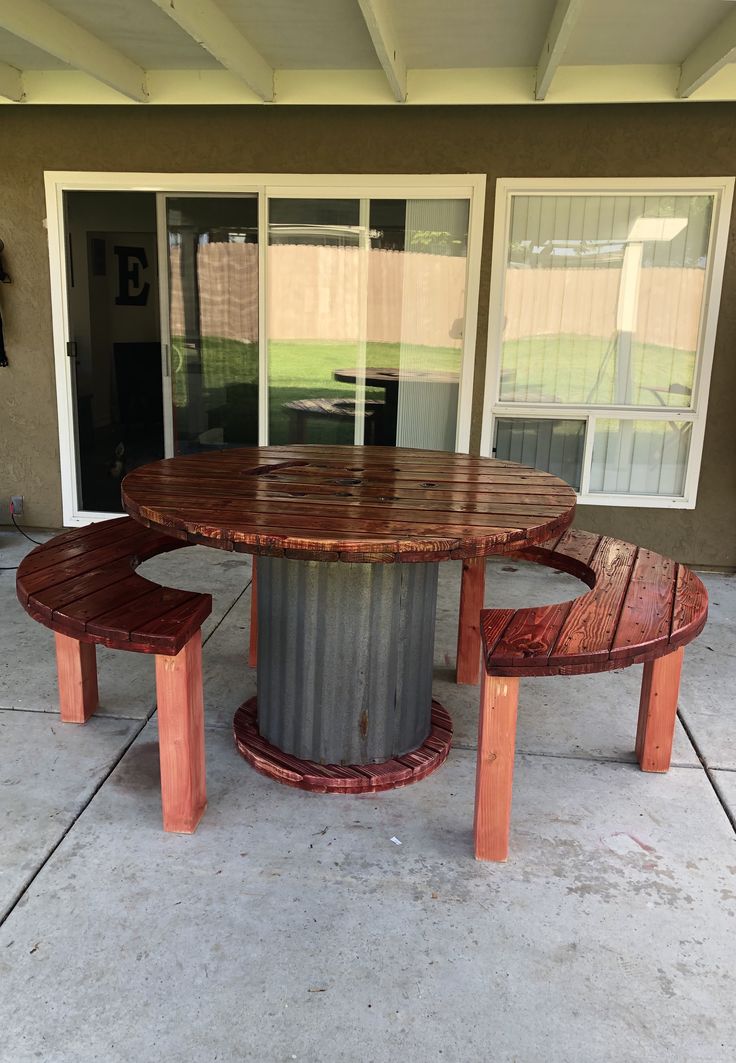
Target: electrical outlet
{"type": "Point", "coordinates": [16, 505]}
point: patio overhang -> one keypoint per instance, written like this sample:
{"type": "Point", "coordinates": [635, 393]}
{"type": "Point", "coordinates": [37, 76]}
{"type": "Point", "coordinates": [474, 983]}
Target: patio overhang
{"type": "Point", "coordinates": [367, 52]}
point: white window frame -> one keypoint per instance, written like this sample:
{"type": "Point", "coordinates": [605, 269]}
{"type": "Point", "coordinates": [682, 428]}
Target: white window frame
{"type": "Point", "coordinates": [266, 185]}
{"type": "Point", "coordinates": [722, 189]}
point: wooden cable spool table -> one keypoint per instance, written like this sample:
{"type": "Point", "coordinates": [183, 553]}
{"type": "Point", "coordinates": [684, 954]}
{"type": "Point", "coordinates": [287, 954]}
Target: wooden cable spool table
{"type": "Point", "coordinates": [348, 541]}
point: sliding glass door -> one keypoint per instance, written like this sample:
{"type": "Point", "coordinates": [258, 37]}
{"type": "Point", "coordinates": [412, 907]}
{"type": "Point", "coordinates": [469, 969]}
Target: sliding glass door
{"type": "Point", "coordinates": [212, 321]}
{"type": "Point", "coordinates": [297, 312]}
{"type": "Point", "coordinates": [366, 317]}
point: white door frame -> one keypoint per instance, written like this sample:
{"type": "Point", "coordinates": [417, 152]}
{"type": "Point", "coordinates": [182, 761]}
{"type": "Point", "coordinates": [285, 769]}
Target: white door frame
{"type": "Point", "coordinates": [387, 186]}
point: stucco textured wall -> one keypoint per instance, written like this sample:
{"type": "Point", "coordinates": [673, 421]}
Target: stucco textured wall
{"type": "Point", "coordinates": [669, 140]}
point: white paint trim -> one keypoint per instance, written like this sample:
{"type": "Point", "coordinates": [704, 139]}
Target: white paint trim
{"type": "Point", "coordinates": [211, 28]}
{"type": "Point", "coordinates": [653, 83]}
{"type": "Point", "coordinates": [11, 83]}
{"type": "Point", "coordinates": [387, 186]}
{"type": "Point", "coordinates": [470, 329]}
{"type": "Point", "coordinates": [722, 188]}
{"type": "Point", "coordinates": [713, 53]}
{"type": "Point", "coordinates": [167, 390]}
{"type": "Point", "coordinates": [263, 353]}
{"type": "Point", "coordinates": [46, 28]}
{"type": "Point", "coordinates": [380, 25]}
{"type": "Point", "coordinates": [59, 324]}
{"type": "Point", "coordinates": [562, 23]}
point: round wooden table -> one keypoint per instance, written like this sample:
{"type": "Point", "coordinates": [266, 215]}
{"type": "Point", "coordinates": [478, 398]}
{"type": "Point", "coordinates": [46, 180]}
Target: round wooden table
{"type": "Point", "coordinates": [348, 541]}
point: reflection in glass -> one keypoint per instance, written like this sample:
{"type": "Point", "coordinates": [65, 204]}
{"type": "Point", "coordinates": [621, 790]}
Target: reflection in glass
{"type": "Point", "coordinates": [543, 443]}
{"type": "Point", "coordinates": [366, 304]}
{"type": "Point", "coordinates": [114, 327]}
{"type": "Point", "coordinates": [213, 283]}
{"type": "Point", "coordinates": [640, 457]}
{"type": "Point", "coordinates": [603, 298]}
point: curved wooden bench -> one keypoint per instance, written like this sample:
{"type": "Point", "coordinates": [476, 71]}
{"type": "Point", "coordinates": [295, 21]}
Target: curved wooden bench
{"type": "Point", "coordinates": [641, 608]}
{"type": "Point", "coordinates": [83, 585]}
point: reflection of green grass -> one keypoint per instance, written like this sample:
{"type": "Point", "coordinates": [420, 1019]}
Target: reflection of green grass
{"type": "Point", "coordinates": [582, 369]}
{"type": "Point", "coordinates": [297, 370]}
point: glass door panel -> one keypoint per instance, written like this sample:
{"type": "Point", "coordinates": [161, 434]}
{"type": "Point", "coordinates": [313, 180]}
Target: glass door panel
{"type": "Point", "coordinates": [315, 319]}
{"type": "Point", "coordinates": [432, 322]}
{"type": "Point", "coordinates": [366, 320]}
{"type": "Point", "coordinates": [213, 320]}
{"type": "Point", "coordinates": [115, 340]}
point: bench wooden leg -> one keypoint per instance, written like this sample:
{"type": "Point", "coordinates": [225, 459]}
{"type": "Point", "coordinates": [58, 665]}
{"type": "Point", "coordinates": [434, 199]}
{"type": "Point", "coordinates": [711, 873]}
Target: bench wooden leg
{"type": "Point", "coordinates": [253, 648]}
{"type": "Point", "coordinates": [181, 737]}
{"type": "Point", "coordinates": [76, 666]}
{"type": "Point", "coordinates": [658, 711]}
{"type": "Point", "coordinates": [495, 768]}
{"type": "Point", "coordinates": [468, 633]}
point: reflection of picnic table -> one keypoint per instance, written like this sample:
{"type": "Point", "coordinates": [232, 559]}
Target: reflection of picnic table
{"type": "Point", "coordinates": [389, 378]}
{"type": "Point", "coordinates": [300, 410]}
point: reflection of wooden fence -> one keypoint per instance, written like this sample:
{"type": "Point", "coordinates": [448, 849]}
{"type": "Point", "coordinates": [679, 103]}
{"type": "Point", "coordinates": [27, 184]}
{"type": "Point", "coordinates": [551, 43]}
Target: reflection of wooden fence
{"type": "Point", "coordinates": [583, 302]}
{"type": "Point", "coordinates": [315, 293]}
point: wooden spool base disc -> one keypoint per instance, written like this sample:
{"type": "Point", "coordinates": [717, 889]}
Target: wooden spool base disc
{"type": "Point", "coordinates": [342, 778]}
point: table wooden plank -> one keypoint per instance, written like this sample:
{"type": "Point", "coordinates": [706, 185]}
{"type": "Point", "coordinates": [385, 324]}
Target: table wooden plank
{"type": "Point", "coordinates": [379, 502]}
{"type": "Point", "coordinates": [690, 610]}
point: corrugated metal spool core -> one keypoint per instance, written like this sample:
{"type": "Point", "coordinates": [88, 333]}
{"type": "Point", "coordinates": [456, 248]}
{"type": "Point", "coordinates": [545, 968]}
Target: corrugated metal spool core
{"type": "Point", "coordinates": [345, 654]}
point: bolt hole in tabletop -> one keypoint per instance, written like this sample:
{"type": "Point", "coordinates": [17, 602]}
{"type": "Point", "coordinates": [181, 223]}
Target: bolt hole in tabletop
{"type": "Point", "coordinates": [348, 542]}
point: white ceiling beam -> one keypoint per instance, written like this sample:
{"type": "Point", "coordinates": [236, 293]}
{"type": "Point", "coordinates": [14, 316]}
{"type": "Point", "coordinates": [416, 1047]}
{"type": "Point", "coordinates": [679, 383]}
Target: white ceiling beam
{"type": "Point", "coordinates": [381, 28]}
{"type": "Point", "coordinates": [11, 83]}
{"type": "Point", "coordinates": [561, 25]}
{"type": "Point", "coordinates": [710, 56]}
{"type": "Point", "coordinates": [46, 28]}
{"type": "Point", "coordinates": [214, 31]}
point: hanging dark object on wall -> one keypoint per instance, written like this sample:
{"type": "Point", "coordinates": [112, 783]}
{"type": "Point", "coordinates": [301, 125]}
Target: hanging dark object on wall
{"type": "Point", "coordinates": [5, 279]}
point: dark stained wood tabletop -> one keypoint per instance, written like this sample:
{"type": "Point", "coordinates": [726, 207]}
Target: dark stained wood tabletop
{"type": "Point", "coordinates": [375, 504]}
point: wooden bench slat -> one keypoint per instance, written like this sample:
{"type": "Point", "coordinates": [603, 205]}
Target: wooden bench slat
{"type": "Point", "coordinates": [640, 606]}
{"type": "Point", "coordinates": [53, 556]}
{"type": "Point", "coordinates": [647, 610]}
{"type": "Point", "coordinates": [590, 626]}
{"type": "Point", "coordinates": [82, 532]}
{"type": "Point", "coordinates": [120, 622]}
{"type": "Point", "coordinates": [86, 587]}
{"type": "Point", "coordinates": [78, 566]}
{"type": "Point", "coordinates": [169, 630]}
{"type": "Point", "coordinates": [493, 624]}
{"type": "Point", "coordinates": [531, 635]}
{"type": "Point", "coordinates": [86, 608]}
{"type": "Point", "coordinates": [578, 544]}
{"type": "Point", "coordinates": [59, 594]}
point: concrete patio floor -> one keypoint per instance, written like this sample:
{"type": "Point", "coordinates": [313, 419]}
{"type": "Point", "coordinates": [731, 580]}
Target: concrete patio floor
{"type": "Point", "coordinates": [291, 926]}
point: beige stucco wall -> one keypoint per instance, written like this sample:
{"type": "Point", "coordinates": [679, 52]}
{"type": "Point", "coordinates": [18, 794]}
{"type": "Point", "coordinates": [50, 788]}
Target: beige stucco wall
{"type": "Point", "coordinates": [643, 140]}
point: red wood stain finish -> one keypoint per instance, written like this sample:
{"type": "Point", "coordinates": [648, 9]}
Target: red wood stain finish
{"type": "Point", "coordinates": [658, 711]}
{"type": "Point", "coordinates": [495, 767]}
{"type": "Point", "coordinates": [640, 606]}
{"type": "Point", "coordinates": [76, 666]}
{"type": "Point", "coordinates": [647, 610]}
{"type": "Point", "coordinates": [181, 737]}
{"type": "Point", "coordinates": [376, 504]}
{"type": "Point", "coordinates": [339, 778]}
{"type": "Point", "coordinates": [82, 584]}
{"type": "Point", "coordinates": [472, 588]}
